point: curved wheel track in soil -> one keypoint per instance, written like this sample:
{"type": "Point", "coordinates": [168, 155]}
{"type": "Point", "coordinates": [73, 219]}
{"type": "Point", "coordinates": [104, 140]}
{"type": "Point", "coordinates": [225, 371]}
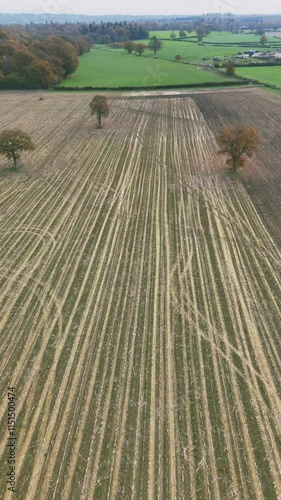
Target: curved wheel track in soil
{"type": "Point", "coordinates": [140, 305]}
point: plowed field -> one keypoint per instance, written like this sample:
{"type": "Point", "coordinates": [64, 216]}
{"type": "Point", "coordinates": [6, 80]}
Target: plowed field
{"type": "Point", "coordinates": [140, 302]}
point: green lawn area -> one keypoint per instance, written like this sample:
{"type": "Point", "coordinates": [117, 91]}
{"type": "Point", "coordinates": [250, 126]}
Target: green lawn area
{"type": "Point", "coordinates": [102, 68]}
{"type": "Point", "coordinates": [270, 74]}
{"type": "Point", "coordinates": [190, 52]}
{"type": "Point", "coordinates": [106, 67]}
{"type": "Point", "coordinates": [226, 37]}
{"type": "Point", "coordinates": [217, 37]}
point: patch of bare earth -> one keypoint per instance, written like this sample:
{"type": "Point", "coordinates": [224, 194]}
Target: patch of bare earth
{"type": "Point", "coordinates": [140, 301]}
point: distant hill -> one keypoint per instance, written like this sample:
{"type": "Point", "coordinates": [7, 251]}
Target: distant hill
{"type": "Point", "coordinates": [73, 18]}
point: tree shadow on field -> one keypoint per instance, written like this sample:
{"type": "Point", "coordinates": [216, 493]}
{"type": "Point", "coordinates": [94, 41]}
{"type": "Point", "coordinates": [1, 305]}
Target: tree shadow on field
{"type": "Point", "coordinates": [9, 171]}
{"type": "Point", "coordinates": [238, 175]}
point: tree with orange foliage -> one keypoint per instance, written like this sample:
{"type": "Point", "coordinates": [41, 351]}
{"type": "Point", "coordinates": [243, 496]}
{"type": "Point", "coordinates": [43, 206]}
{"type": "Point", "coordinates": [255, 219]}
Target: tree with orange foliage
{"type": "Point", "coordinates": [41, 73]}
{"type": "Point", "coordinates": [140, 48]}
{"type": "Point", "coordinates": [230, 68]}
{"type": "Point", "coordinates": [22, 59]}
{"type": "Point", "coordinates": [13, 143]}
{"type": "Point", "coordinates": [100, 107]}
{"type": "Point", "coordinates": [237, 143]}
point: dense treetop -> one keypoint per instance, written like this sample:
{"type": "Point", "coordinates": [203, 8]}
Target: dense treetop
{"type": "Point", "coordinates": [38, 56]}
{"type": "Point", "coordinates": [41, 55]}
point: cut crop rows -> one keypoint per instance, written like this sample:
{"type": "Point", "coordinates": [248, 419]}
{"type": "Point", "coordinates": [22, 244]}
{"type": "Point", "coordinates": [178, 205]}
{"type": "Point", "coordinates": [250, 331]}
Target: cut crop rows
{"type": "Point", "coordinates": [140, 309]}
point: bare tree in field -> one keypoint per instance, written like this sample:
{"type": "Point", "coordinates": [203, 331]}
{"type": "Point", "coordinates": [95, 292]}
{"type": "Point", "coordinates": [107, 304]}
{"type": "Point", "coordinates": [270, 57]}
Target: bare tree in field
{"type": "Point", "coordinates": [237, 143]}
{"type": "Point", "coordinates": [13, 143]}
{"type": "Point", "coordinates": [100, 107]}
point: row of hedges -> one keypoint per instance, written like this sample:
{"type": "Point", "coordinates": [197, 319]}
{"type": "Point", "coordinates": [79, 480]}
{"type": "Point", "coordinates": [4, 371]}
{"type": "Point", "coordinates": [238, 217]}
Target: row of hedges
{"type": "Point", "coordinates": [257, 82]}
{"type": "Point", "coordinates": [12, 84]}
{"type": "Point", "coordinates": [156, 87]}
{"type": "Point", "coordinates": [253, 45]}
{"type": "Point", "coordinates": [258, 64]}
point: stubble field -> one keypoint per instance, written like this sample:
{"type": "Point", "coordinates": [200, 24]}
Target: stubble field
{"type": "Point", "coordinates": [140, 302]}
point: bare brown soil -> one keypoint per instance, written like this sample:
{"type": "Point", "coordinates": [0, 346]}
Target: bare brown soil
{"type": "Point", "coordinates": [262, 174]}
{"type": "Point", "coordinates": [140, 302]}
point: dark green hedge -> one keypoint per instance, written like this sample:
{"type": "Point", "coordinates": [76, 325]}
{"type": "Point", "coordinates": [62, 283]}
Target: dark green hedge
{"type": "Point", "coordinates": [156, 87]}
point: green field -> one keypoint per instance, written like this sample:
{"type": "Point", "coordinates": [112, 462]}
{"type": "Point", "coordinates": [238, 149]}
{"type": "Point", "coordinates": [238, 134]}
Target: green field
{"type": "Point", "coordinates": [216, 37]}
{"type": "Point", "coordinates": [234, 38]}
{"type": "Point", "coordinates": [190, 52]}
{"type": "Point", "coordinates": [106, 68]}
{"type": "Point", "coordinates": [270, 74]}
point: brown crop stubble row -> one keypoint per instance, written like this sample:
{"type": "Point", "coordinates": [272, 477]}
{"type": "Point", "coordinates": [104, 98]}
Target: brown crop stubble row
{"type": "Point", "coordinates": [233, 274]}
{"type": "Point", "coordinates": [261, 110]}
{"type": "Point", "coordinates": [151, 366]}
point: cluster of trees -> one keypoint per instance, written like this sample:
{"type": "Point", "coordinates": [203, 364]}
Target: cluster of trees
{"type": "Point", "coordinates": [154, 44]}
{"type": "Point", "coordinates": [202, 29]}
{"type": "Point", "coordinates": [31, 58]}
{"type": "Point", "coordinates": [106, 33]}
{"type": "Point", "coordinates": [218, 22]}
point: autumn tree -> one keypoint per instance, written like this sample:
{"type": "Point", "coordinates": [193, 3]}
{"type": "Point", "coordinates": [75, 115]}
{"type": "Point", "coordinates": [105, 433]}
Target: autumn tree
{"type": "Point", "coordinates": [129, 47]}
{"type": "Point", "coordinates": [100, 107]}
{"type": "Point", "coordinates": [13, 143]}
{"type": "Point", "coordinates": [58, 47]}
{"type": "Point", "coordinates": [230, 68]}
{"type": "Point", "coordinates": [140, 48]}
{"type": "Point", "coordinates": [155, 44]}
{"type": "Point", "coordinates": [237, 143]}
{"type": "Point", "coordinates": [263, 40]}
{"type": "Point", "coordinates": [83, 44]}
{"type": "Point", "coordinates": [22, 59]}
{"type": "Point", "coordinates": [42, 75]}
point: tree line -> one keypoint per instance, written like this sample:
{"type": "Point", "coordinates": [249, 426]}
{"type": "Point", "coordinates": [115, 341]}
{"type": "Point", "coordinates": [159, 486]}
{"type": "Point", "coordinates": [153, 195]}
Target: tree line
{"type": "Point", "coordinates": [106, 33]}
{"type": "Point", "coordinates": [39, 56]}
{"type": "Point", "coordinates": [217, 22]}
{"type": "Point", "coordinates": [154, 44]}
